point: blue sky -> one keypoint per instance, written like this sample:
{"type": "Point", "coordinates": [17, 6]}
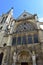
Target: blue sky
{"type": "Point", "coordinates": [31, 6]}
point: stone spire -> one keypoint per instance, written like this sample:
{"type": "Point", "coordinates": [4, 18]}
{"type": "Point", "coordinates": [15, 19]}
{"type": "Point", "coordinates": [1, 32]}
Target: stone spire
{"type": "Point", "coordinates": [10, 13]}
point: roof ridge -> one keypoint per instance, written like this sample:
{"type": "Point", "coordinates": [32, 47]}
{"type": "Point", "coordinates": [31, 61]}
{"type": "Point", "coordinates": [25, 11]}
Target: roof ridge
{"type": "Point", "coordinates": [24, 12]}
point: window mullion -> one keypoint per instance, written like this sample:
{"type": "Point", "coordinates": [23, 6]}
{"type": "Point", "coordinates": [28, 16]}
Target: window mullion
{"type": "Point", "coordinates": [26, 39]}
{"type": "Point", "coordinates": [16, 39]}
{"type": "Point", "coordinates": [21, 40]}
{"type": "Point", "coordinates": [32, 39]}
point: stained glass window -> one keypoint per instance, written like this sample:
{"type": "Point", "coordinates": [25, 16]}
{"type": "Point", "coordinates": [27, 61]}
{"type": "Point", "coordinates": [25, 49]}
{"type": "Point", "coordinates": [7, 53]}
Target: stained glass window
{"type": "Point", "coordinates": [24, 40]}
{"type": "Point", "coordinates": [24, 27]}
{"type": "Point", "coordinates": [29, 39]}
{"type": "Point", "coordinates": [14, 41]}
{"type": "Point", "coordinates": [19, 40]}
{"type": "Point", "coordinates": [35, 38]}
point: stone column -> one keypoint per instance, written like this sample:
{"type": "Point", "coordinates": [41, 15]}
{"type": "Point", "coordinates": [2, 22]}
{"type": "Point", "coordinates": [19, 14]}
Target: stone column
{"type": "Point", "coordinates": [9, 43]}
{"type": "Point", "coordinates": [34, 58]}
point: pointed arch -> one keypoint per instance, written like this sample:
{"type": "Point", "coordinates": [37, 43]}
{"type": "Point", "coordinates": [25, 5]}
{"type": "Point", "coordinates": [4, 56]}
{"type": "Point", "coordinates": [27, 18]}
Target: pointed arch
{"type": "Point", "coordinates": [25, 27]}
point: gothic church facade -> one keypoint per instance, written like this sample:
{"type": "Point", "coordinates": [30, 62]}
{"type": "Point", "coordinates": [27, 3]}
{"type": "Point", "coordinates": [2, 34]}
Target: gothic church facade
{"type": "Point", "coordinates": [21, 39]}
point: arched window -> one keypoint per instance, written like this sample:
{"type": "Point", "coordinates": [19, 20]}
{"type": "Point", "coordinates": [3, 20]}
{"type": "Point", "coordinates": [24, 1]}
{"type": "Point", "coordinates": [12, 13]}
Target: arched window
{"type": "Point", "coordinates": [19, 40]}
{"type": "Point", "coordinates": [35, 38]}
{"type": "Point", "coordinates": [25, 27]}
{"type": "Point", "coordinates": [29, 39]}
{"type": "Point", "coordinates": [14, 41]}
{"type": "Point", "coordinates": [24, 40]}
{"type": "Point", "coordinates": [1, 57]}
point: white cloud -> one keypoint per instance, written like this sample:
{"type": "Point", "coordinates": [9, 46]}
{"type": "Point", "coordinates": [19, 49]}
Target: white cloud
{"type": "Point", "coordinates": [41, 19]}
{"type": "Point", "coordinates": [41, 26]}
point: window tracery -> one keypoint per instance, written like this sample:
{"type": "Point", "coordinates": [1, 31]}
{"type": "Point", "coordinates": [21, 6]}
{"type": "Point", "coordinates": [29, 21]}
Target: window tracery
{"type": "Point", "coordinates": [24, 27]}
{"type": "Point", "coordinates": [30, 39]}
{"type": "Point", "coordinates": [25, 39]}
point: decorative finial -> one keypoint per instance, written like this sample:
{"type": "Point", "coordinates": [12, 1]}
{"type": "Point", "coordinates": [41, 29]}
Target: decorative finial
{"type": "Point", "coordinates": [11, 11]}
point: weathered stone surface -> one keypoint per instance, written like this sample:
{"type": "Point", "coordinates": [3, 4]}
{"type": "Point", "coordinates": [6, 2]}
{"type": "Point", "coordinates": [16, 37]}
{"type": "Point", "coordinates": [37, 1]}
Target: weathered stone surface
{"type": "Point", "coordinates": [21, 51]}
